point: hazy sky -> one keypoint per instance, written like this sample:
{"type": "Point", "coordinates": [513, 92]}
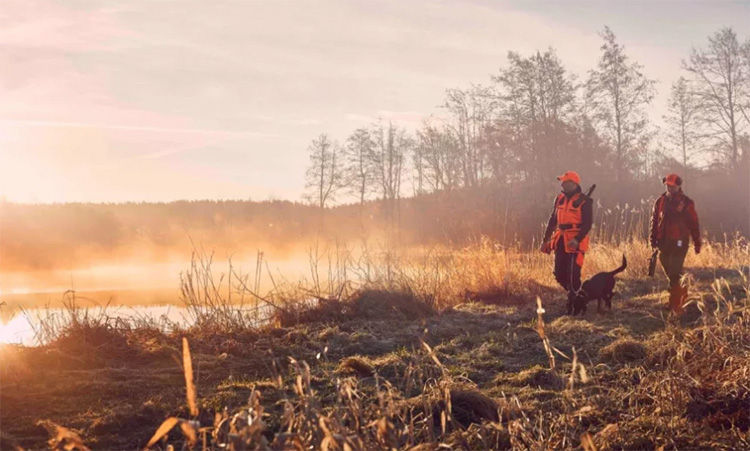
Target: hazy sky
{"type": "Point", "coordinates": [186, 99]}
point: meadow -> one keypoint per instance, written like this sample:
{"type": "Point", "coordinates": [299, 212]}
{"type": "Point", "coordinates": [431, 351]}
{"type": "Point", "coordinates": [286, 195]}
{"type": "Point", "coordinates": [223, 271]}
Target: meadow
{"type": "Point", "coordinates": [430, 348]}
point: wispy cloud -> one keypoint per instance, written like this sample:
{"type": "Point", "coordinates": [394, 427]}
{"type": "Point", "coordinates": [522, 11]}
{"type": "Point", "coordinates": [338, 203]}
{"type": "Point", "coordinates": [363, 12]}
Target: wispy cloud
{"type": "Point", "coordinates": [54, 25]}
{"type": "Point", "coordinates": [140, 128]}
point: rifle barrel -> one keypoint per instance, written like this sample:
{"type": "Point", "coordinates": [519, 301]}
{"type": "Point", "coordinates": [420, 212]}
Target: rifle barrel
{"type": "Point", "coordinates": [586, 196]}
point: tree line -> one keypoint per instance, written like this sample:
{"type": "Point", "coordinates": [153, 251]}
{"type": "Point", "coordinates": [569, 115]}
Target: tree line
{"type": "Point", "coordinates": [509, 138]}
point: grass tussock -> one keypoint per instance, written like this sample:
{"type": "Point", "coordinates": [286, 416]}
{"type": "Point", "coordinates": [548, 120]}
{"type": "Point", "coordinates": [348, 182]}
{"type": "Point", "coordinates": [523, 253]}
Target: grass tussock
{"type": "Point", "coordinates": [538, 377]}
{"type": "Point", "coordinates": [623, 350]}
{"type": "Point", "coordinates": [473, 407]}
{"type": "Point", "coordinates": [574, 328]}
{"type": "Point", "coordinates": [358, 366]}
{"type": "Point", "coordinates": [366, 304]}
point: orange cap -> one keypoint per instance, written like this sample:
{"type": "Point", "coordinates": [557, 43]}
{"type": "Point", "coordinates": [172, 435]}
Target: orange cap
{"type": "Point", "coordinates": [570, 176]}
{"type": "Point", "coordinates": [672, 180]}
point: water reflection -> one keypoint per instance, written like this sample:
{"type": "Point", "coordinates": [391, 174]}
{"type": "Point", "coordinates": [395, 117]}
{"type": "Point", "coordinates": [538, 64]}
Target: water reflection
{"type": "Point", "coordinates": [22, 326]}
{"type": "Point", "coordinates": [34, 301]}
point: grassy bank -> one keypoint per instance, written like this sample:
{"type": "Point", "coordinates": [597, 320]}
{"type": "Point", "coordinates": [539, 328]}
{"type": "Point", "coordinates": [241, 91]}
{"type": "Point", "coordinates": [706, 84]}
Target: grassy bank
{"type": "Point", "coordinates": [402, 351]}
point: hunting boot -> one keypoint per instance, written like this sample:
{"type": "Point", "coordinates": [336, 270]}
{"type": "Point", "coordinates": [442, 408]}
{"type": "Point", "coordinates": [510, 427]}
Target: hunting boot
{"type": "Point", "coordinates": [668, 305]}
{"type": "Point", "coordinates": [683, 297]}
{"type": "Point", "coordinates": [677, 296]}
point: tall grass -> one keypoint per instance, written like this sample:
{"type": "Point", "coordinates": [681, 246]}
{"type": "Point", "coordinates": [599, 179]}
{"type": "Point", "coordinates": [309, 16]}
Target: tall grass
{"type": "Point", "coordinates": [684, 388]}
{"type": "Point", "coordinates": [74, 322]}
{"type": "Point", "coordinates": [438, 276]}
{"type": "Point", "coordinates": [693, 391]}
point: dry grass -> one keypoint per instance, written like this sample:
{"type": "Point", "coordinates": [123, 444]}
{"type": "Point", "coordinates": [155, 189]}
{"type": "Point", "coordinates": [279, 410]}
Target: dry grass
{"type": "Point", "coordinates": [62, 438]}
{"type": "Point", "coordinates": [662, 383]}
{"type": "Point", "coordinates": [415, 283]}
{"type": "Point", "coordinates": [473, 407]}
{"type": "Point", "coordinates": [574, 328]}
{"type": "Point", "coordinates": [359, 366]}
{"type": "Point", "coordinates": [360, 304]}
{"type": "Point", "coordinates": [538, 377]}
{"type": "Point", "coordinates": [623, 351]}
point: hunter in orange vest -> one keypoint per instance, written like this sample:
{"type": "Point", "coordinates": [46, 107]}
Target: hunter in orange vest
{"type": "Point", "coordinates": [567, 233]}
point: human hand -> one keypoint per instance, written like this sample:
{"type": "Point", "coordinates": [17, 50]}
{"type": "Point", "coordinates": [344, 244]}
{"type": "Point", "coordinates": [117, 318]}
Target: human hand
{"type": "Point", "coordinates": [544, 248]}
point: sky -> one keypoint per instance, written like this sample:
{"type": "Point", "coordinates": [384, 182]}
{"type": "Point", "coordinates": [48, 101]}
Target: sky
{"type": "Point", "coordinates": [113, 101]}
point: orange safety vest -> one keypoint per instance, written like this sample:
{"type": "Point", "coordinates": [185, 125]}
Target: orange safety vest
{"type": "Point", "coordinates": [569, 219]}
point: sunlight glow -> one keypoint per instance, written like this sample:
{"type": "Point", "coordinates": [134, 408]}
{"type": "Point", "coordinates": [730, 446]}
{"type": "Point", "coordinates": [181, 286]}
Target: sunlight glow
{"type": "Point", "coordinates": [16, 331]}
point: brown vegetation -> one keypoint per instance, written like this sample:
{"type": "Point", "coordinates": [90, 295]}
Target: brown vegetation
{"type": "Point", "coordinates": [472, 375]}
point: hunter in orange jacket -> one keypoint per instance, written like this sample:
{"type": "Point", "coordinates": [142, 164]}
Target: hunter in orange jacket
{"type": "Point", "coordinates": [567, 233]}
{"type": "Point", "coordinates": [673, 222]}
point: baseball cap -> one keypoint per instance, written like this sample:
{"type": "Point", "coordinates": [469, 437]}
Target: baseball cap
{"type": "Point", "coordinates": [570, 176]}
{"type": "Point", "coordinates": [672, 180]}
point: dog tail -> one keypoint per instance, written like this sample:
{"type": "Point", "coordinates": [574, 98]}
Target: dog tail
{"type": "Point", "coordinates": [622, 267]}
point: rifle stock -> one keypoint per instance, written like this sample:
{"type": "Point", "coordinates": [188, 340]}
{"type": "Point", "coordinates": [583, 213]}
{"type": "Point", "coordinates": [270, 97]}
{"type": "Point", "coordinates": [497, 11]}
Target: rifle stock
{"type": "Point", "coordinates": [652, 263]}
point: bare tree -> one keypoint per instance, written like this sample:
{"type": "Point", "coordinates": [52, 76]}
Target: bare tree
{"type": "Point", "coordinates": [720, 83]}
{"type": "Point", "coordinates": [388, 159]}
{"type": "Point", "coordinates": [681, 120]}
{"type": "Point", "coordinates": [419, 165]}
{"type": "Point", "coordinates": [470, 112]}
{"type": "Point", "coordinates": [437, 149]}
{"type": "Point", "coordinates": [324, 174]}
{"type": "Point", "coordinates": [618, 94]}
{"type": "Point", "coordinates": [358, 169]}
{"type": "Point", "coordinates": [499, 146]}
{"type": "Point", "coordinates": [539, 98]}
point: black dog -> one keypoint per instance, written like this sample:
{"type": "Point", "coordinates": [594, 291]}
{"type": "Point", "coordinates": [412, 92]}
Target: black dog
{"type": "Point", "coordinates": [599, 287]}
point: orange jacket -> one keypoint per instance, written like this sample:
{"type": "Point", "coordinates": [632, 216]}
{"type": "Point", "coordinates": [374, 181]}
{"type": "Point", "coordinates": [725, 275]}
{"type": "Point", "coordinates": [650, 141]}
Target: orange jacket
{"type": "Point", "coordinates": [570, 222]}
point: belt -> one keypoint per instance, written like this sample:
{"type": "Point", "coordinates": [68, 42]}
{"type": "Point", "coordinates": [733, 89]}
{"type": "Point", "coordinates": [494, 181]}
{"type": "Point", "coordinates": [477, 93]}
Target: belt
{"type": "Point", "coordinates": [568, 226]}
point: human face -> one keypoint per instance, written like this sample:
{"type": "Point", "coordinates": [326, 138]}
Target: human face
{"type": "Point", "coordinates": [673, 189]}
{"type": "Point", "coordinates": [568, 186]}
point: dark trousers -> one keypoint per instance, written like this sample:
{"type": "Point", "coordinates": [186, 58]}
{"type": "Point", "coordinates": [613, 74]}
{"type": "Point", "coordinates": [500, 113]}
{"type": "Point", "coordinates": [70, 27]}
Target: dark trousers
{"type": "Point", "coordinates": [567, 271]}
{"type": "Point", "coordinates": [672, 258]}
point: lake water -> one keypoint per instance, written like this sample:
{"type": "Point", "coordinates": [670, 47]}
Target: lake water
{"type": "Point", "coordinates": [163, 308]}
{"type": "Point", "coordinates": [21, 326]}
{"type": "Point", "coordinates": [148, 291]}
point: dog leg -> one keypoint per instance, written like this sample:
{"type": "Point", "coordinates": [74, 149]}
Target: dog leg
{"type": "Point", "coordinates": [580, 304]}
{"type": "Point", "coordinates": [609, 301]}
